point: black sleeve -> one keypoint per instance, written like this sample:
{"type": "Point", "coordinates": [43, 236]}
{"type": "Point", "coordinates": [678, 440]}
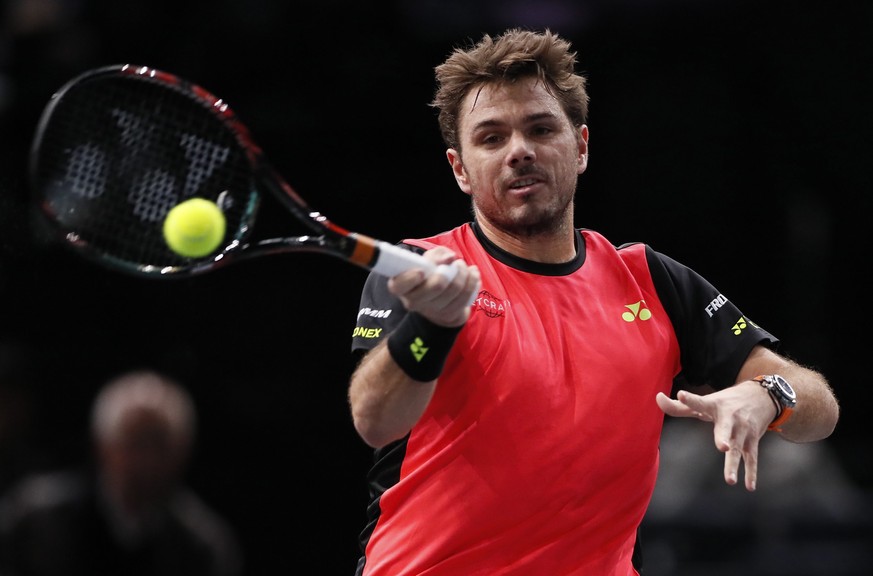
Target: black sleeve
{"type": "Point", "coordinates": [379, 312]}
{"type": "Point", "coordinates": [715, 338]}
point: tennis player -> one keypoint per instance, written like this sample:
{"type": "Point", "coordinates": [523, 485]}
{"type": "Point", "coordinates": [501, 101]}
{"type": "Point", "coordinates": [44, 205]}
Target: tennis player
{"type": "Point", "coordinates": [519, 435]}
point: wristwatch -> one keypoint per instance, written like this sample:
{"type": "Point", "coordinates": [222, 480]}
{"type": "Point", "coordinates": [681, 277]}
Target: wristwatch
{"type": "Point", "coordinates": [783, 396]}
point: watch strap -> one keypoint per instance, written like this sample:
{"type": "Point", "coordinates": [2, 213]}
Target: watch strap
{"type": "Point", "coordinates": [776, 425]}
{"type": "Point", "coordinates": [783, 413]}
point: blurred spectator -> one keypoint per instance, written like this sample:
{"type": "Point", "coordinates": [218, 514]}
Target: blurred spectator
{"type": "Point", "coordinates": [130, 514]}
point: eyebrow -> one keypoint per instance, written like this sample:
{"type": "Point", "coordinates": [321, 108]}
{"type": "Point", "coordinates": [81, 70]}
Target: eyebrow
{"type": "Point", "coordinates": [529, 119]}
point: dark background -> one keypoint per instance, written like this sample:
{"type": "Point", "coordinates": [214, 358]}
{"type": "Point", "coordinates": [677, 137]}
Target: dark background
{"type": "Point", "coordinates": [734, 136]}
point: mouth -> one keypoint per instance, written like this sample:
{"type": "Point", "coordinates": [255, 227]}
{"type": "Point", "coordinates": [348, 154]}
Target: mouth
{"type": "Point", "coordinates": [523, 183]}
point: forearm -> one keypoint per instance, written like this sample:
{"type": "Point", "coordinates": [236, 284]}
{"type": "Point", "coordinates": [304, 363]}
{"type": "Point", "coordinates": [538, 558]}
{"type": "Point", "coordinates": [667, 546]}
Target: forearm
{"type": "Point", "coordinates": [385, 402]}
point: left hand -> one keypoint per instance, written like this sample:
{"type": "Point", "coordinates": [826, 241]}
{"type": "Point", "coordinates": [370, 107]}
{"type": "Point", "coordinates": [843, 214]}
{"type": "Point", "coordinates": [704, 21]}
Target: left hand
{"type": "Point", "coordinates": [740, 415]}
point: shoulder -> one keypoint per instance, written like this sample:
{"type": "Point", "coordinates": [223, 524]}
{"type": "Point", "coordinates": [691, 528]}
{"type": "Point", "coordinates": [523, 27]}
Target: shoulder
{"type": "Point", "coordinates": [454, 238]}
{"type": "Point", "coordinates": [44, 496]}
{"type": "Point", "coordinates": [48, 489]}
{"type": "Point", "coordinates": [596, 240]}
{"type": "Point", "coordinates": [659, 265]}
{"type": "Point", "coordinates": [205, 525]}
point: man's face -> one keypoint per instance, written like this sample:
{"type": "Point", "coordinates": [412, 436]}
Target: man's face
{"type": "Point", "coordinates": [143, 461]}
{"type": "Point", "coordinates": [520, 158]}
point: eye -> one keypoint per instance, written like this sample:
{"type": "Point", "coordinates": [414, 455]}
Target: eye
{"type": "Point", "coordinates": [541, 130]}
{"type": "Point", "coordinates": [491, 139]}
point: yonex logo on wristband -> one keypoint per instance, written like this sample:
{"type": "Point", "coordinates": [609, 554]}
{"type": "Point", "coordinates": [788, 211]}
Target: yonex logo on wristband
{"type": "Point", "coordinates": [406, 344]}
{"type": "Point", "coordinates": [418, 349]}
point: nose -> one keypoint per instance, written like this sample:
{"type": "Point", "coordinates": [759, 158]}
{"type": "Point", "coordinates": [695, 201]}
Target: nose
{"type": "Point", "coordinates": [521, 151]}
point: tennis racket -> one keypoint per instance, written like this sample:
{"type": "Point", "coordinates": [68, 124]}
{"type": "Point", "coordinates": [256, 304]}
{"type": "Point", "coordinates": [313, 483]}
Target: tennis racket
{"type": "Point", "coordinates": [117, 147]}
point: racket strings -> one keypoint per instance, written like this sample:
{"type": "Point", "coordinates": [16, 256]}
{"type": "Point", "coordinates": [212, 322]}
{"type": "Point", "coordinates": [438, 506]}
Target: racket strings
{"type": "Point", "coordinates": [117, 153]}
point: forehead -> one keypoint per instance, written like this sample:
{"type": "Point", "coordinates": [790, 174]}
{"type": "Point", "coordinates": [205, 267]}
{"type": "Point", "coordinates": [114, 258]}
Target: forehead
{"type": "Point", "coordinates": [504, 102]}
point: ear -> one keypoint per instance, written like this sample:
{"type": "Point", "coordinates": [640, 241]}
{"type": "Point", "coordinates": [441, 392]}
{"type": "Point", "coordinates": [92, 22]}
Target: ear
{"type": "Point", "coordinates": [454, 158]}
{"type": "Point", "coordinates": [582, 159]}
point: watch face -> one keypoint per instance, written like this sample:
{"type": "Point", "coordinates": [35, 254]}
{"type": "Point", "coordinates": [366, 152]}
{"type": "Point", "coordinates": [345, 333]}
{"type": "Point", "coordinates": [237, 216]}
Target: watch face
{"type": "Point", "coordinates": [784, 388]}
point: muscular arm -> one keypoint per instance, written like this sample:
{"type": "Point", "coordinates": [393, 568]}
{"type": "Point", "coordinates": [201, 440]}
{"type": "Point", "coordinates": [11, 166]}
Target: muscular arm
{"type": "Point", "coordinates": [741, 413]}
{"type": "Point", "coordinates": [385, 401]}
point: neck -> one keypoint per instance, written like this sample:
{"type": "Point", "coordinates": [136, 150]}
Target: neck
{"type": "Point", "coordinates": [549, 247]}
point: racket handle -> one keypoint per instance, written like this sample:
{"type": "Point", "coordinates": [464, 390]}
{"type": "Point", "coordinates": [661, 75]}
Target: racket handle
{"type": "Point", "coordinates": [393, 260]}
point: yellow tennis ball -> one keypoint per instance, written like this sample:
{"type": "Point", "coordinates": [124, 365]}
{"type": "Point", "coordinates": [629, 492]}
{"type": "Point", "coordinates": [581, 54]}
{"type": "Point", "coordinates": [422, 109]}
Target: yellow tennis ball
{"type": "Point", "coordinates": [194, 228]}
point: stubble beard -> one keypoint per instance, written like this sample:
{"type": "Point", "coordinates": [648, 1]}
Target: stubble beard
{"type": "Point", "coordinates": [531, 220]}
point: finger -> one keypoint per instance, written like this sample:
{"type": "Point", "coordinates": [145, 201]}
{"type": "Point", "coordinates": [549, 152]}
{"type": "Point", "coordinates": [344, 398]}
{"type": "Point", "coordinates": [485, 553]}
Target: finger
{"type": "Point", "coordinates": [672, 407]}
{"type": "Point", "coordinates": [724, 442]}
{"type": "Point", "coordinates": [665, 403]}
{"type": "Point", "coordinates": [444, 302]}
{"type": "Point", "coordinates": [732, 459]}
{"type": "Point", "coordinates": [694, 402]}
{"type": "Point", "coordinates": [441, 255]}
{"type": "Point", "coordinates": [459, 293]}
{"type": "Point", "coordinates": [701, 408]}
{"type": "Point", "coordinates": [448, 271]}
{"type": "Point", "coordinates": [403, 283]}
{"type": "Point", "coordinates": [423, 287]}
{"type": "Point", "coordinates": [750, 465]}
{"type": "Point", "coordinates": [686, 406]}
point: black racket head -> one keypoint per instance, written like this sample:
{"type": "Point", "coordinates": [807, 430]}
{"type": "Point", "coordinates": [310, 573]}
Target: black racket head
{"type": "Point", "coordinates": [117, 147]}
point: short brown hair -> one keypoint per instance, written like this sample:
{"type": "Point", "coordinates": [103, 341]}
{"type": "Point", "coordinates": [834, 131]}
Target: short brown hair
{"type": "Point", "coordinates": [515, 54]}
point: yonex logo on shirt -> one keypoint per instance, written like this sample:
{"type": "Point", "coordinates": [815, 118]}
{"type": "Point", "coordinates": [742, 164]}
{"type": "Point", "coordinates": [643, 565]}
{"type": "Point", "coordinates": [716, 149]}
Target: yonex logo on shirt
{"type": "Point", "coordinates": [361, 332]}
{"type": "Point", "coordinates": [636, 310]}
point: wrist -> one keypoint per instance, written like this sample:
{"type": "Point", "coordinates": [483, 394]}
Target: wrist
{"type": "Point", "coordinates": [421, 347]}
{"type": "Point", "coordinates": [783, 397]}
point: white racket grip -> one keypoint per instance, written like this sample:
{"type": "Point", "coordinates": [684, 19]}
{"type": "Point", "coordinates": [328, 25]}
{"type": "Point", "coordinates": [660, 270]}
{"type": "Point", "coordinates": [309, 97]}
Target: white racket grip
{"type": "Point", "coordinates": [393, 260]}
